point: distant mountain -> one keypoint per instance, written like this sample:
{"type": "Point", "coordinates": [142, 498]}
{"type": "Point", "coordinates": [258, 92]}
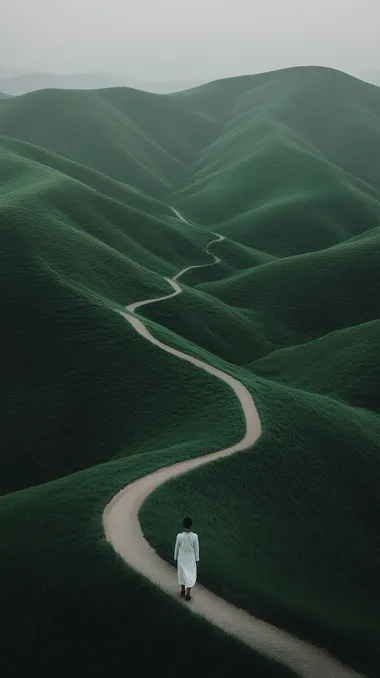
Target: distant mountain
{"type": "Point", "coordinates": [7, 72]}
{"type": "Point", "coordinates": [30, 82]}
{"type": "Point", "coordinates": [4, 96]}
{"type": "Point", "coordinates": [22, 83]}
{"type": "Point", "coordinates": [16, 81]}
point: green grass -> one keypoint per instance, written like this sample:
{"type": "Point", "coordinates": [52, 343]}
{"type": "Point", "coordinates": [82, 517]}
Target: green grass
{"type": "Point", "coordinates": [285, 135]}
{"type": "Point", "coordinates": [70, 602]}
{"type": "Point", "coordinates": [283, 165]}
{"type": "Point", "coordinates": [311, 294]}
{"type": "Point", "coordinates": [272, 551]}
{"type": "Point", "coordinates": [343, 365]}
{"type": "Point", "coordinates": [64, 278]}
{"type": "Point", "coordinates": [111, 131]}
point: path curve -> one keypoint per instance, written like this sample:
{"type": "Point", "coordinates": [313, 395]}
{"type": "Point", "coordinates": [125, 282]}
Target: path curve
{"type": "Point", "coordinates": [123, 530]}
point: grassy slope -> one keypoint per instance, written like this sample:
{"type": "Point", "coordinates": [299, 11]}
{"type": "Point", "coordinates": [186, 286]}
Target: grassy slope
{"type": "Point", "coordinates": [287, 301]}
{"type": "Point", "coordinates": [343, 365]}
{"type": "Point", "coordinates": [249, 179]}
{"type": "Point", "coordinates": [76, 602]}
{"type": "Point", "coordinates": [324, 280]}
{"type": "Point", "coordinates": [111, 131]}
{"type": "Point", "coordinates": [299, 535]}
{"type": "Point", "coordinates": [66, 267]}
{"type": "Point", "coordinates": [301, 254]}
{"type": "Point", "coordinates": [70, 258]}
{"type": "Point", "coordinates": [82, 380]}
{"type": "Point", "coordinates": [312, 294]}
{"type": "Point", "coordinates": [14, 150]}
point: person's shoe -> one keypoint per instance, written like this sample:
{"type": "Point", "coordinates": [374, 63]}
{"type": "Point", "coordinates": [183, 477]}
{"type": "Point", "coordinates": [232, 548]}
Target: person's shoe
{"type": "Point", "coordinates": [183, 593]}
{"type": "Point", "coordinates": [188, 596]}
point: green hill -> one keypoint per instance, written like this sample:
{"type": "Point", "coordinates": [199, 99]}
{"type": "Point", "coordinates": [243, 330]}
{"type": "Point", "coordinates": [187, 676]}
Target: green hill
{"type": "Point", "coordinates": [23, 82]}
{"type": "Point", "coordinates": [130, 135]}
{"type": "Point", "coordinates": [13, 150]}
{"type": "Point", "coordinates": [17, 81]}
{"type": "Point", "coordinates": [280, 115]}
{"type": "Point", "coordinates": [311, 294]}
{"type": "Point", "coordinates": [343, 365]}
{"type": "Point", "coordinates": [81, 259]}
{"type": "Point", "coordinates": [284, 166]}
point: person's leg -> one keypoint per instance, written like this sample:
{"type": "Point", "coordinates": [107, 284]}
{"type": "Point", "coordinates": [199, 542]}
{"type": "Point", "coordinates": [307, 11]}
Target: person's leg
{"type": "Point", "coordinates": [188, 596]}
{"type": "Point", "coordinates": [181, 580]}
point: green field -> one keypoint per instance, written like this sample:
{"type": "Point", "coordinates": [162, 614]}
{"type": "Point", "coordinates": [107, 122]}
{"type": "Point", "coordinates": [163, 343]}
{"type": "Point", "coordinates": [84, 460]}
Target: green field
{"type": "Point", "coordinates": [284, 165]}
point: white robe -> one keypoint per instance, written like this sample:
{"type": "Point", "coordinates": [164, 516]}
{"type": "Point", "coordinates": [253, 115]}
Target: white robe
{"type": "Point", "coordinates": [186, 552]}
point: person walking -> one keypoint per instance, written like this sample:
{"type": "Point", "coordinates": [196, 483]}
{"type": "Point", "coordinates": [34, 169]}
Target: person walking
{"type": "Point", "coordinates": [186, 557]}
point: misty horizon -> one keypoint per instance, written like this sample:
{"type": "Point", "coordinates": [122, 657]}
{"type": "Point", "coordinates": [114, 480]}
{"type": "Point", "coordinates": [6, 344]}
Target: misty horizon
{"type": "Point", "coordinates": [204, 41]}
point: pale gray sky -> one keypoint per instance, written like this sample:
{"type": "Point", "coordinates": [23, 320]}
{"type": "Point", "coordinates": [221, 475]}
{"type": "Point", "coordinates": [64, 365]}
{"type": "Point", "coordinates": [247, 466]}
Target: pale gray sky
{"type": "Point", "coordinates": [197, 39]}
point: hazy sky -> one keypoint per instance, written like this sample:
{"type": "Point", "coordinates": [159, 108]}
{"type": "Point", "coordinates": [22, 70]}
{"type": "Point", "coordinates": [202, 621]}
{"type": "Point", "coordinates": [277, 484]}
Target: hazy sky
{"type": "Point", "coordinates": [197, 39]}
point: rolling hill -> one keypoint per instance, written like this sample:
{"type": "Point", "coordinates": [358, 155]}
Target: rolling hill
{"type": "Point", "coordinates": [30, 81]}
{"type": "Point", "coordinates": [284, 165]}
{"type": "Point", "coordinates": [23, 82]}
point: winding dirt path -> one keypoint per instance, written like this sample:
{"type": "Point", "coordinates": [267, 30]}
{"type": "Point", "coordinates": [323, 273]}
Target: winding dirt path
{"type": "Point", "coordinates": [123, 530]}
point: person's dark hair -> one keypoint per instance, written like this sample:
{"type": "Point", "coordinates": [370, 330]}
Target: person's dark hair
{"type": "Point", "coordinates": [187, 523]}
